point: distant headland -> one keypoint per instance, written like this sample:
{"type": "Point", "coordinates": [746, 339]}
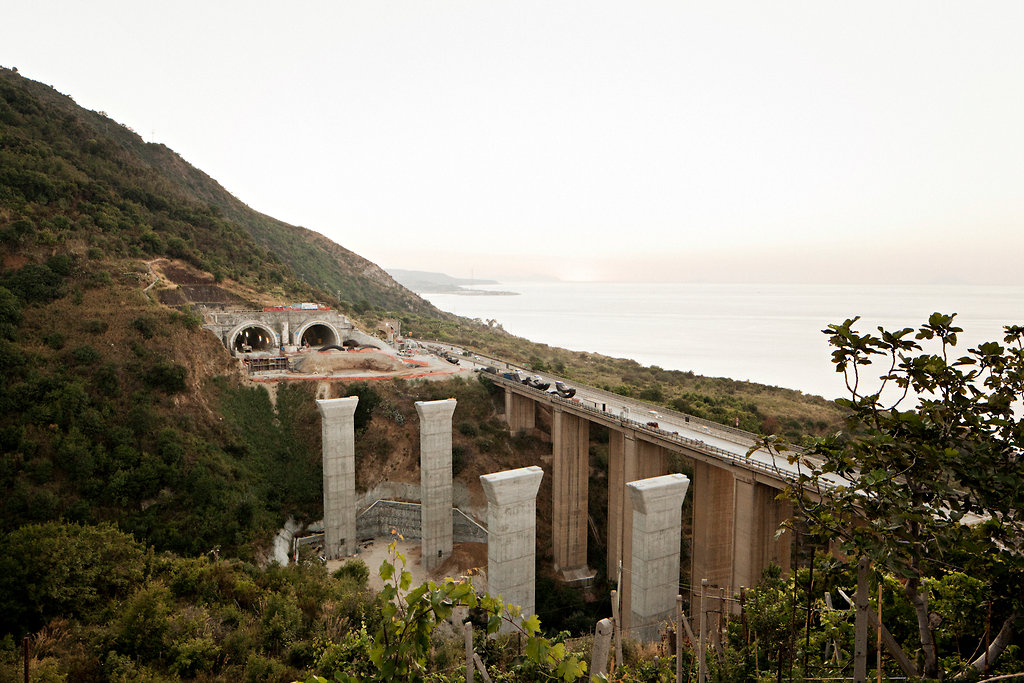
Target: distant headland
{"type": "Point", "coordinates": [426, 282]}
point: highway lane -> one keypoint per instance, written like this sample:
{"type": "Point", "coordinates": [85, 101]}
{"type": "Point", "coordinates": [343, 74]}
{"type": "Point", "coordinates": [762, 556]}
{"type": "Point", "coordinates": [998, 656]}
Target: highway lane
{"type": "Point", "coordinates": [730, 440]}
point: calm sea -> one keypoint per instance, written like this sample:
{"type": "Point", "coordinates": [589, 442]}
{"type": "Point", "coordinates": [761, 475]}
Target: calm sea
{"type": "Point", "coordinates": [763, 333]}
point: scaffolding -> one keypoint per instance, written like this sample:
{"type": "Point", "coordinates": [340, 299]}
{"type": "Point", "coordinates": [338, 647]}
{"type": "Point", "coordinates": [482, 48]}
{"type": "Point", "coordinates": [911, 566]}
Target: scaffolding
{"type": "Point", "coordinates": [274, 364]}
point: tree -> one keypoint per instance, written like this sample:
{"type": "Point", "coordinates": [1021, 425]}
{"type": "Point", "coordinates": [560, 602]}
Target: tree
{"type": "Point", "coordinates": [929, 475]}
{"type": "Point", "coordinates": [59, 570]}
{"type": "Point", "coordinates": [401, 641]}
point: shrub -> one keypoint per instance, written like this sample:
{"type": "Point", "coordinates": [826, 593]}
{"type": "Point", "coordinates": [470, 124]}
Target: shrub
{"type": "Point", "coordinates": [55, 340]}
{"type": "Point", "coordinates": [353, 569]}
{"type": "Point", "coordinates": [145, 325]}
{"type": "Point", "coordinates": [166, 376]}
{"type": "Point", "coordinates": [84, 355]}
{"type": "Point", "coordinates": [95, 326]}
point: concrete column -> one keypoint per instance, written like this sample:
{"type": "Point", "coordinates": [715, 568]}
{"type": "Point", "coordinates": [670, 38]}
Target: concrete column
{"type": "Point", "coordinates": [520, 412]}
{"type": "Point", "coordinates": [657, 503]}
{"type": "Point", "coordinates": [512, 536]}
{"type": "Point", "coordinates": [648, 460]}
{"type": "Point", "coordinates": [339, 456]}
{"type": "Point", "coordinates": [285, 334]}
{"type": "Point", "coordinates": [570, 470]}
{"type": "Point", "coordinates": [436, 480]}
{"type": "Point", "coordinates": [712, 548]}
{"type": "Point", "coordinates": [621, 469]}
{"type": "Point", "coordinates": [757, 517]}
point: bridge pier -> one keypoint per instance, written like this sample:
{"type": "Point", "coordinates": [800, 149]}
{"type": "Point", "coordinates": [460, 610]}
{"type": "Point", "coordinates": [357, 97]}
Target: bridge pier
{"type": "Point", "coordinates": [712, 545]}
{"type": "Point", "coordinates": [656, 504]}
{"type": "Point", "coordinates": [734, 523]}
{"type": "Point", "coordinates": [629, 459]}
{"type": "Point", "coordinates": [435, 480]}
{"type": "Point", "coordinates": [758, 514]}
{"type": "Point", "coordinates": [520, 411]}
{"type": "Point", "coordinates": [339, 464]}
{"type": "Point", "coordinates": [570, 476]}
{"type": "Point", "coordinates": [512, 536]}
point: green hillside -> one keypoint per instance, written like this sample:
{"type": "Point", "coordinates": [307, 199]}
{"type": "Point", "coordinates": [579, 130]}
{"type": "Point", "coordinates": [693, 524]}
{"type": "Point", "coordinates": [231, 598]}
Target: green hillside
{"type": "Point", "coordinates": [73, 180]}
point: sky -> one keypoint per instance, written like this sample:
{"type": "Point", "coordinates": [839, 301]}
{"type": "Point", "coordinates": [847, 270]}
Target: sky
{"type": "Point", "coordinates": [719, 141]}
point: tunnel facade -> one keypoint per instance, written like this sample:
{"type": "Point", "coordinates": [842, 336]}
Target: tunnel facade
{"type": "Point", "coordinates": [317, 333]}
{"type": "Point", "coordinates": [253, 336]}
{"type": "Point", "coordinates": [281, 329]}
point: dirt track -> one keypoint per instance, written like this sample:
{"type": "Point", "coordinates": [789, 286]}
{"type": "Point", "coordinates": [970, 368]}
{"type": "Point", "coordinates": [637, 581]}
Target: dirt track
{"type": "Point", "coordinates": [366, 364]}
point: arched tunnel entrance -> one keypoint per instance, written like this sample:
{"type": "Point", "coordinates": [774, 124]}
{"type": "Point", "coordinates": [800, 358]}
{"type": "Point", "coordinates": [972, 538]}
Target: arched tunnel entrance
{"type": "Point", "coordinates": [254, 338]}
{"type": "Point", "coordinates": [318, 334]}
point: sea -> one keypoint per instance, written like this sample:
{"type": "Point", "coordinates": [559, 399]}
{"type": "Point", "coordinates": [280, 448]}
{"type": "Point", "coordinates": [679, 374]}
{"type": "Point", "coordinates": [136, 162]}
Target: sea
{"type": "Point", "coordinates": [769, 334]}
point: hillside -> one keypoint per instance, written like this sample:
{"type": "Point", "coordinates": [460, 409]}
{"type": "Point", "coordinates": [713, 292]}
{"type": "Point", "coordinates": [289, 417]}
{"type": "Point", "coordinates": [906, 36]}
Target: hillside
{"type": "Point", "coordinates": [74, 180]}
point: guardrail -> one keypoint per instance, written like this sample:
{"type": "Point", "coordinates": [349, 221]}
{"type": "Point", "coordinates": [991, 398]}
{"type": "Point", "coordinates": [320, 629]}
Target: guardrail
{"type": "Point", "coordinates": [696, 444]}
{"type": "Point", "coordinates": [746, 438]}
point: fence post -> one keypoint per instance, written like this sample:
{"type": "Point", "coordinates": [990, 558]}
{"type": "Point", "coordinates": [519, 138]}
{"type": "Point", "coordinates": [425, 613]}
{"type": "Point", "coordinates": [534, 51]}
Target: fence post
{"type": "Point", "coordinates": [860, 629]}
{"type": "Point", "coordinates": [618, 628]}
{"type": "Point", "coordinates": [467, 634]}
{"type": "Point", "coordinates": [679, 639]}
{"type": "Point", "coordinates": [702, 665]}
{"type": "Point", "coordinates": [602, 647]}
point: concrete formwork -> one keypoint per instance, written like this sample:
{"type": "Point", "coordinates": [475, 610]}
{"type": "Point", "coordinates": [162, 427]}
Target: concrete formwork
{"type": "Point", "coordinates": [657, 504]}
{"type": "Point", "coordinates": [520, 412]}
{"type": "Point", "coordinates": [512, 536]}
{"type": "Point", "coordinates": [570, 474]}
{"type": "Point", "coordinates": [339, 459]}
{"type": "Point", "coordinates": [436, 479]}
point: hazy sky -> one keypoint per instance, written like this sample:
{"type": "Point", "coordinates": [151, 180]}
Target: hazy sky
{"type": "Point", "coordinates": [719, 141]}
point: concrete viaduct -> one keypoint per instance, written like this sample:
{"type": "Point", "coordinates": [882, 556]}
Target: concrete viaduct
{"type": "Point", "coordinates": [735, 511]}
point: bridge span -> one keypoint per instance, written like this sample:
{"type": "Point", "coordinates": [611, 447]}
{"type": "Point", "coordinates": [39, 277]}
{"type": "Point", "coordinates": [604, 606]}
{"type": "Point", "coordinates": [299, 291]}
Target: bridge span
{"type": "Point", "coordinates": [736, 512]}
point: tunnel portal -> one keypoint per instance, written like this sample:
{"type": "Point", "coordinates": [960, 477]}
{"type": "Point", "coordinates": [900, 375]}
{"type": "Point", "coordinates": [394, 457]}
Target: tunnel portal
{"type": "Point", "coordinates": [254, 338]}
{"type": "Point", "coordinates": [319, 334]}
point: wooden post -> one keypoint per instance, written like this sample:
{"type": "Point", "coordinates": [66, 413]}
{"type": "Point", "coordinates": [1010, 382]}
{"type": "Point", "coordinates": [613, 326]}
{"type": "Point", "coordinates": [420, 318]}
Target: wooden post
{"type": "Point", "coordinates": [721, 624]}
{"type": "Point", "coordinates": [702, 665]}
{"type": "Point", "coordinates": [467, 634]}
{"type": "Point", "coordinates": [481, 668]}
{"type": "Point", "coordinates": [807, 623]}
{"type": "Point", "coordinates": [878, 642]}
{"type": "Point", "coordinates": [743, 616]}
{"type": "Point", "coordinates": [679, 638]}
{"type": "Point", "coordinates": [860, 634]}
{"type": "Point", "coordinates": [618, 628]}
{"type": "Point", "coordinates": [602, 647]}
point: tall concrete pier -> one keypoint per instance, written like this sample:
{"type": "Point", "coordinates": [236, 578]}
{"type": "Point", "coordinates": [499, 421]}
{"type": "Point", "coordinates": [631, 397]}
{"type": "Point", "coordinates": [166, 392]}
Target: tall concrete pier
{"type": "Point", "coordinates": [521, 413]}
{"type": "Point", "coordinates": [657, 506]}
{"type": "Point", "coordinates": [339, 456]}
{"type": "Point", "coordinates": [436, 479]}
{"type": "Point", "coordinates": [570, 476]}
{"type": "Point", "coordinates": [512, 536]}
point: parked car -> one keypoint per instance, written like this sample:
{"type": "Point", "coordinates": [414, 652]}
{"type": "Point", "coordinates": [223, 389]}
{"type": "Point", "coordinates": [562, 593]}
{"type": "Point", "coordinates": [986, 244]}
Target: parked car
{"type": "Point", "coordinates": [565, 391]}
